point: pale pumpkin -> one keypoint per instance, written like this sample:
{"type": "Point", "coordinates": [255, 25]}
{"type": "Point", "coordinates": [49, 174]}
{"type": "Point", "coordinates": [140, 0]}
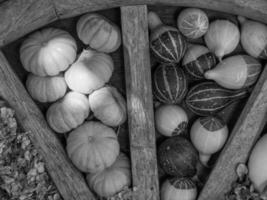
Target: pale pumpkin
{"type": "Point", "coordinates": [113, 179]}
{"type": "Point", "coordinates": [68, 113]}
{"type": "Point", "coordinates": [98, 32]}
{"type": "Point", "coordinates": [46, 89]}
{"type": "Point", "coordinates": [108, 106]}
{"type": "Point", "coordinates": [48, 52]}
{"type": "Point", "coordinates": [92, 147]}
{"type": "Point", "coordinates": [90, 72]}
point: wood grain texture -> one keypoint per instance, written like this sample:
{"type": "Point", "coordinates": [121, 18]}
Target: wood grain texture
{"type": "Point", "coordinates": [244, 135]}
{"type": "Point", "coordinates": [69, 181]}
{"type": "Point", "coordinates": [140, 102]}
{"type": "Point", "coordinates": [19, 17]}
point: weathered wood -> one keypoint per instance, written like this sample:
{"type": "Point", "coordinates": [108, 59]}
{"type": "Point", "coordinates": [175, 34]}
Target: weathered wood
{"type": "Point", "coordinates": [245, 133]}
{"type": "Point", "coordinates": [140, 102]}
{"type": "Point", "coordinates": [19, 17]}
{"type": "Point", "coordinates": [69, 181]}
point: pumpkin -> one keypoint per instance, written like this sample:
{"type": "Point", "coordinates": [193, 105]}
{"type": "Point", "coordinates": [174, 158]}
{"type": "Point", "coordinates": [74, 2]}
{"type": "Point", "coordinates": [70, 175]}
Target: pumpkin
{"type": "Point", "coordinates": [48, 52]}
{"type": "Point", "coordinates": [113, 179]}
{"type": "Point", "coordinates": [108, 106]}
{"type": "Point", "coordinates": [46, 89]}
{"type": "Point", "coordinates": [99, 33]}
{"type": "Point", "coordinates": [92, 147]}
{"type": "Point", "coordinates": [68, 113]}
{"type": "Point", "coordinates": [90, 72]}
{"type": "Point", "coordinates": [169, 83]}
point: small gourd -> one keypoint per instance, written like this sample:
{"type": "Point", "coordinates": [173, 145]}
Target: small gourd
{"type": "Point", "coordinates": [99, 33]}
{"type": "Point", "coordinates": [197, 60]}
{"type": "Point", "coordinates": [68, 113]}
{"type": "Point", "coordinates": [235, 72]}
{"type": "Point", "coordinates": [171, 120]}
{"type": "Point", "coordinates": [178, 189]}
{"type": "Point", "coordinates": [166, 42]}
{"type": "Point", "coordinates": [222, 37]}
{"type": "Point", "coordinates": [46, 89]}
{"type": "Point", "coordinates": [113, 179]}
{"type": "Point", "coordinates": [108, 106]}
{"type": "Point", "coordinates": [92, 147]}
{"type": "Point", "coordinates": [208, 135]}
{"type": "Point", "coordinates": [253, 37]}
{"type": "Point", "coordinates": [193, 23]}
{"type": "Point", "coordinates": [48, 52]}
{"type": "Point", "coordinates": [169, 83]}
{"type": "Point", "coordinates": [90, 72]}
{"type": "Point", "coordinates": [208, 98]}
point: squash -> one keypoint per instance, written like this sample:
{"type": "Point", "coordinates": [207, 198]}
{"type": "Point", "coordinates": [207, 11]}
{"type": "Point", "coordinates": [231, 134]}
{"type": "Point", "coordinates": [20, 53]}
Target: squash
{"type": "Point", "coordinates": [68, 113]}
{"type": "Point", "coordinates": [108, 106]}
{"type": "Point", "coordinates": [48, 52]}
{"type": "Point", "coordinates": [92, 147]}
{"type": "Point", "coordinates": [98, 32]}
{"type": "Point", "coordinates": [46, 89]}
{"type": "Point", "coordinates": [113, 179]}
{"type": "Point", "coordinates": [90, 72]}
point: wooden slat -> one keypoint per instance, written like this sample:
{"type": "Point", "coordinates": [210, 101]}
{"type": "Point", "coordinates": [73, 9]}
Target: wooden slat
{"type": "Point", "coordinates": [140, 102]}
{"type": "Point", "coordinates": [245, 133]}
{"type": "Point", "coordinates": [19, 17]}
{"type": "Point", "coordinates": [69, 181]}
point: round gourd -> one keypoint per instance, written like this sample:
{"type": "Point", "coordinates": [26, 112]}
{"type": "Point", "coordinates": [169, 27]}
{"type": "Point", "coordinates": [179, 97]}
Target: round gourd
{"type": "Point", "coordinates": [113, 179]}
{"type": "Point", "coordinates": [68, 113]}
{"type": "Point", "coordinates": [197, 60]}
{"type": "Point", "coordinates": [90, 72]}
{"type": "Point", "coordinates": [193, 23]}
{"type": "Point", "coordinates": [99, 33]}
{"type": "Point", "coordinates": [166, 42]}
{"type": "Point", "coordinates": [108, 106]}
{"type": "Point", "coordinates": [48, 52]}
{"type": "Point", "coordinates": [178, 157]}
{"type": "Point", "coordinates": [92, 147]}
{"type": "Point", "coordinates": [169, 83]}
{"type": "Point", "coordinates": [46, 89]}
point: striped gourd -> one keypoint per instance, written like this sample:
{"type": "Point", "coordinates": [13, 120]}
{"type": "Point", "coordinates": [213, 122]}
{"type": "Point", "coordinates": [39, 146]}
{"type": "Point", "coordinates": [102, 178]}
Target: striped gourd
{"type": "Point", "coordinates": [197, 60]}
{"type": "Point", "coordinates": [212, 123]}
{"type": "Point", "coordinates": [208, 98]}
{"type": "Point", "coordinates": [166, 42]}
{"type": "Point", "coordinates": [235, 72]}
{"type": "Point", "coordinates": [169, 83]}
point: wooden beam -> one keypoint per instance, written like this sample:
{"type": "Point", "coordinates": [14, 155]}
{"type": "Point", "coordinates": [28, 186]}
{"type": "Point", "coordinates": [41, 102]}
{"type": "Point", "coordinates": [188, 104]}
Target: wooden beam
{"type": "Point", "coordinates": [140, 102]}
{"type": "Point", "coordinates": [244, 135]}
{"type": "Point", "coordinates": [67, 178]}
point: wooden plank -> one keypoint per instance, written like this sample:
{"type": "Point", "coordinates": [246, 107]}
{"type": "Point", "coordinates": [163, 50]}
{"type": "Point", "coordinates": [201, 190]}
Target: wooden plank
{"type": "Point", "coordinates": [67, 178]}
{"type": "Point", "coordinates": [244, 135]}
{"type": "Point", "coordinates": [140, 102]}
{"type": "Point", "coordinates": [19, 17]}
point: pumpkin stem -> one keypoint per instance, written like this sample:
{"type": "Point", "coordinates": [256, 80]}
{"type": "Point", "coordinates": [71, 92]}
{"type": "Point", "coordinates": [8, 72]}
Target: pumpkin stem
{"type": "Point", "coordinates": [153, 20]}
{"type": "Point", "coordinates": [219, 53]}
{"type": "Point", "coordinates": [241, 19]}
{"type": "Point", "coordinates": [204, 158]}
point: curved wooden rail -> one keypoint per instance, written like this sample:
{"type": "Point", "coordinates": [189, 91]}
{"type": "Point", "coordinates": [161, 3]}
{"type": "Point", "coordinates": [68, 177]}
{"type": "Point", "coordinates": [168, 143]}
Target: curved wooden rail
{"type": "Point", "coordinates": [19, 17]}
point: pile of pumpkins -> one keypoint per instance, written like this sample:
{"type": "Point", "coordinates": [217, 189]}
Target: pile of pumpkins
{"type": "Point", "coordinates": [203, 79]}
{"type": "Point", "coordinates": [76, 86]}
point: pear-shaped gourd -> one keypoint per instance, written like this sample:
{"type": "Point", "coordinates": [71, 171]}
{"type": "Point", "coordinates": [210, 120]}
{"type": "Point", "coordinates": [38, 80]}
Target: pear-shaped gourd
{"type": "Point", "coordinates": [235, 72]}
{"type": "Point", "coordinates": [166, 42]}
{"type": "Point", "coordinates": [208, 135]}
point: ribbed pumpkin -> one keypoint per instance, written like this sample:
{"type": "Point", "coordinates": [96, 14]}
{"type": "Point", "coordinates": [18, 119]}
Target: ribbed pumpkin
{"type": "Point", "coordinates": [48, 52]}
{"type": "Point", "coordinates": [46, 89]}
{"type": "Point", "coordinates": [92, 147]}
{"type": "Point", "coordinates": [197, 60]}
{"type": "Point", "coordinates": [169, 83]}
{"type": "Point", "coordinates": [90, 72]}
{"type": "Point", "coordinates": [113, 179]}
{"type": "Point", "coordinates": [98, 32]}
{"type": "Point", "coordinates": [68, 113]}
{"type": "Point", "coordinates": [208, 98]}
{"type": "Point", "coordinates": [166, 42]}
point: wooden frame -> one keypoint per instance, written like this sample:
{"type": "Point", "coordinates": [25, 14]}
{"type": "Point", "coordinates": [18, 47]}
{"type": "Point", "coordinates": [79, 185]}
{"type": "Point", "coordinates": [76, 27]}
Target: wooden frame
{"type": "Point", "coordinates": [20, 17]}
